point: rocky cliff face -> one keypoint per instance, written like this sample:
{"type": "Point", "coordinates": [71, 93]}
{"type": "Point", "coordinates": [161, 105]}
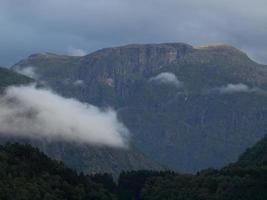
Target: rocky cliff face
{"type": "Point", "coordinates": [218, 110]}
{"type": "Point", "coordinates": [82, 157]}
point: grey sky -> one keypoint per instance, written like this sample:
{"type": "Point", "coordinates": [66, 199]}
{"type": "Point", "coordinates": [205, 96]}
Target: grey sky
{"type": "Point", "coordinates": [30, 26]}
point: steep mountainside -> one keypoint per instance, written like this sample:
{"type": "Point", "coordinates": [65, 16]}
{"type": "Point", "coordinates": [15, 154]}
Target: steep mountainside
{"type": "Point", "coordinates": [90, 159]}
{"type": "Point", "coordinates": [85, 158]}
{"type": "Point", "coordinates": [8, 77]}
{"type": "Point", "coordinates": [256, 155]}
{"type": "Point", "coordinates": [217, 111]}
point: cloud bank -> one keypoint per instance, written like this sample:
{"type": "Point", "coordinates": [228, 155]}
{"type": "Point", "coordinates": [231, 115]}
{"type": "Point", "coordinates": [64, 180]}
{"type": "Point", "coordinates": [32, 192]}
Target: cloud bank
{"type": "Point", "coordinates": [40, 113]}
{"type": "Point", "coordinates": [167, 78]}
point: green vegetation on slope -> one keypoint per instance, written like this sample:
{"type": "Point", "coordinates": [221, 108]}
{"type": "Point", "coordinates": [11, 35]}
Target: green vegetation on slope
{"type": "Point", "coordinates": [244, 180]}
{"type": "Point", "coordinates": [226, 184]}
{"type": "Point", "coordinates": [256, 155]}
{"type": "Point", "coordinates": [88, 158]}
{"type": "Point", "coordinates": [28, 174]}
{"type": "Point", "coordinates": [8, 77]}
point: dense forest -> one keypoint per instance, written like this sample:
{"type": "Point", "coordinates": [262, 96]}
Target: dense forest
{"type": "Point", "coordinates": [28, 174]}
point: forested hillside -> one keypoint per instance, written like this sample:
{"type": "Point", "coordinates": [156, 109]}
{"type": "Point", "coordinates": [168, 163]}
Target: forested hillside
{"type": "Point", "coordinates": [26, 173]}
{"type": "Point", "coordinates": [8, 77]}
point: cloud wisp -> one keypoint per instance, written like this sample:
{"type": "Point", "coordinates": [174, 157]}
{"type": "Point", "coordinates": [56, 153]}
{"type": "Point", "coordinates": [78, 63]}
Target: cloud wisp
{"type": "Point", "coordinates": [167, 78]}
{"type": "Point", "coordinates": [235, 88]}
{"type": "Point", "coordinates": [27, 71]}
{"type": "Point", "coordinates": [78, 83]}
{"type": "Point", "coordinates": [76, 52]}
{"type": "Point", "coordinates": [40, 113]}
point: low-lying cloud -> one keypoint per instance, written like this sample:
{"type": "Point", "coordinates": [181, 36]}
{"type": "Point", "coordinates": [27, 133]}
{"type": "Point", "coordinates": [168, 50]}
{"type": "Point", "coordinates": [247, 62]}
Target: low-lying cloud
{"type": "Point", "coordinates": [76, 52]}
{"type": "Point", "coordinates": [27, 71]}
{"type": "Point", "coordinates": [235, 88]}
{"type": "Point", "coordinates": [40, 113]}
{"type": "Point", "coordinates": [167, 78]}
{"type": "Point", "coordinates": [78, 83]}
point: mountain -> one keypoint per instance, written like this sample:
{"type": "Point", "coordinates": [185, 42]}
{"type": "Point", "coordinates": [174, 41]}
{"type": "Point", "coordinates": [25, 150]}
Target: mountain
{"type": "Point", "coordinates": [213, 111]}
{"type": "Point", "coordinates": [82, 157]}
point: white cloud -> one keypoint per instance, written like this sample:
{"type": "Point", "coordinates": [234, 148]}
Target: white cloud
{"type": "Point", "coordinates": [27, 71]}
{"type": "Point", "coordinates": [38, 113]}
{"type": "Point", "coordinates": [76, 52]}
{"type": "Point", "coordinates": [235, 88]}
{"type": "Point", "coordinates": [167, 78]}
{"type": "Point", "coordinates": [78, 82]}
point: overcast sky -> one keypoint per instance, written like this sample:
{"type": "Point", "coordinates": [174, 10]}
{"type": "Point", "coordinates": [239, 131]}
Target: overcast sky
{"type": "Point", "coordinates": [82, 26]}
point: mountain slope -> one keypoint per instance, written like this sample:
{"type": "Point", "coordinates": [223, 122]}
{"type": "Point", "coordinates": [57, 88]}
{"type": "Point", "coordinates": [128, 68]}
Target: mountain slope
{"type": "Point", "coordinates": [84, 158]}
{"type": "Point", "coordinates": [87, 158]}
{"type": "Point", "coordinates": [8, 77]}
{"type": "Point", "coordinates": [256, 155]}
{"type": "Point", "coordinates": [188, 128]}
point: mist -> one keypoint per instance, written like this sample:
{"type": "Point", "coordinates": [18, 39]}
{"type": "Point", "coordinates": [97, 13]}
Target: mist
{"type": "Point", "coordinates": [231, 88]}
{"type": "Point", "coordinates": [167, 78]}
{"type": "Point", "coordinates": [234, 88]}
{"type": "Point", "coordinates": [78, 83]}
{"type": "Point", "coordinates": [40, 113]}
{"type": "Point", "coordinates": [76, 52]}
{"type": "Point", "coordinates": [27, 71]}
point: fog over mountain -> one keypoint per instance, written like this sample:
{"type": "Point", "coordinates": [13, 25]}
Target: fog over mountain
{"type": "Point", "coordinates": [166, 78]}
{"type": "Point", "coordinates": [40, 113]}
{"type": "Point", "coordinates": [77, 27]}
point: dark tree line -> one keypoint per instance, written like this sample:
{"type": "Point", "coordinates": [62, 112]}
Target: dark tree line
{"type": "Point", "coordinates": [28, 174]}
